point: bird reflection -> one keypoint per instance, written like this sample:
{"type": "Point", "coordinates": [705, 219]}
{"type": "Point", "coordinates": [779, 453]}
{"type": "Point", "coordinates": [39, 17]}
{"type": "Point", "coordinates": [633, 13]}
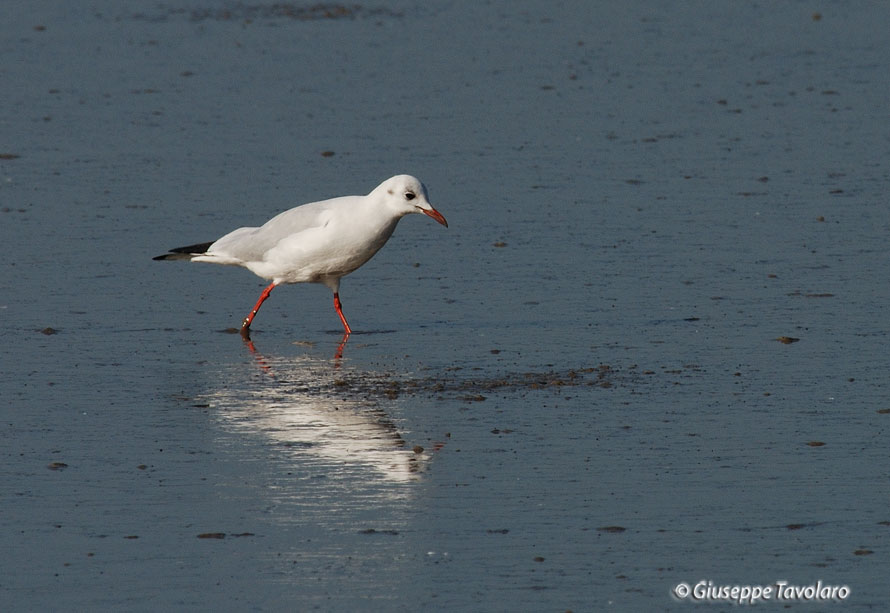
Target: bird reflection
{"type": "Point", "coordinates": [313, 411]}
{"type": "Point", "coordinates": [338, 355]}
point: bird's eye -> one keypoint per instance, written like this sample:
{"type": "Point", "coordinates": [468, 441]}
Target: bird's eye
{"type": "Point", "coordinates": [410, 195]}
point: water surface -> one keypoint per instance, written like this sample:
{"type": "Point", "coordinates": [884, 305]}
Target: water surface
{"type": "Point", "coordinates": [571, 399]}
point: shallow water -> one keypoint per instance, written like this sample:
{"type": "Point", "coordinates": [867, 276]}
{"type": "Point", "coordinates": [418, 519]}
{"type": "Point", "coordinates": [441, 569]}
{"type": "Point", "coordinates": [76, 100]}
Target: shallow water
{"type": "Point", "coordinates": [572, 398]}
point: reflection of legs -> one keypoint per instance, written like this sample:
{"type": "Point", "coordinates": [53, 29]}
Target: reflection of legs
{"type": "Point", "coordinates": [339, 353]}
{"type": "Point", "coordinates": [338, 306]}
{"type": "Point", "coordinates": [245, 334]}
{"type": "Point", "coordinates": [245, 325]}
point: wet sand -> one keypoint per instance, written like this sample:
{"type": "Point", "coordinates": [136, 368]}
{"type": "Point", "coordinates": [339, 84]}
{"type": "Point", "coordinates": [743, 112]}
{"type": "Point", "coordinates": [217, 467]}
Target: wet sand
{"type": "Point", "coordinates": [649, 349]}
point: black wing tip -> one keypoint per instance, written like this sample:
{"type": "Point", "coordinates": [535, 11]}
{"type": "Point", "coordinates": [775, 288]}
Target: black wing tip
{"type": "Point", "coordinates": [199, 248]}
{"type": "Point", "coordinates": [181, 253]}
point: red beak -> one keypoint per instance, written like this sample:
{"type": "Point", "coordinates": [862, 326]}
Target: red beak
{"type": "Point", "coordinates": [435, 215]}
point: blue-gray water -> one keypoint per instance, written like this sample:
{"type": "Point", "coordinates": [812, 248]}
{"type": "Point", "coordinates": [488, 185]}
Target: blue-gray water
{"type": "Point", "coordinates": [642, 198]}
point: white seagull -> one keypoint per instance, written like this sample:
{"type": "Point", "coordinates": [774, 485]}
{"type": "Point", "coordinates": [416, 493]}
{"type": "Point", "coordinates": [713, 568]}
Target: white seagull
{"type": "Point", "coordinates": [319, 242]}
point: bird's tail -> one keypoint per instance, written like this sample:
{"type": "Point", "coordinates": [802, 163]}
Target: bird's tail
{"type": "Point", "coordinates": [185, 253]}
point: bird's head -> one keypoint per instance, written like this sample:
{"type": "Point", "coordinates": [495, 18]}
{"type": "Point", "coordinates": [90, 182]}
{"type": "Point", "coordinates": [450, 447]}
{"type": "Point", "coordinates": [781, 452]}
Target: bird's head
{"type": "Point", "coordinates": [406, 194]}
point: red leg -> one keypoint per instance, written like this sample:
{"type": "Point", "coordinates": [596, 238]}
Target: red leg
{"type": "Point", "coordinates": [245, 325]}
{"type": "Point", "coordinates": [339, 308]}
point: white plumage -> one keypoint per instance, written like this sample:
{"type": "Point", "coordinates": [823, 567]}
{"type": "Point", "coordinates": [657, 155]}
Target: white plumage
{"type": "Point", "coordinates": [319, 242]}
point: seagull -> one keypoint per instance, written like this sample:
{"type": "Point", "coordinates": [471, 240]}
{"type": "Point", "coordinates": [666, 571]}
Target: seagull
{"type": "Point", "coordinates": [319, 242]}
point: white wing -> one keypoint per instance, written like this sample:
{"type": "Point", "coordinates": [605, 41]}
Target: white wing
{"type": "Point", "coordinates": [252, 244]}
